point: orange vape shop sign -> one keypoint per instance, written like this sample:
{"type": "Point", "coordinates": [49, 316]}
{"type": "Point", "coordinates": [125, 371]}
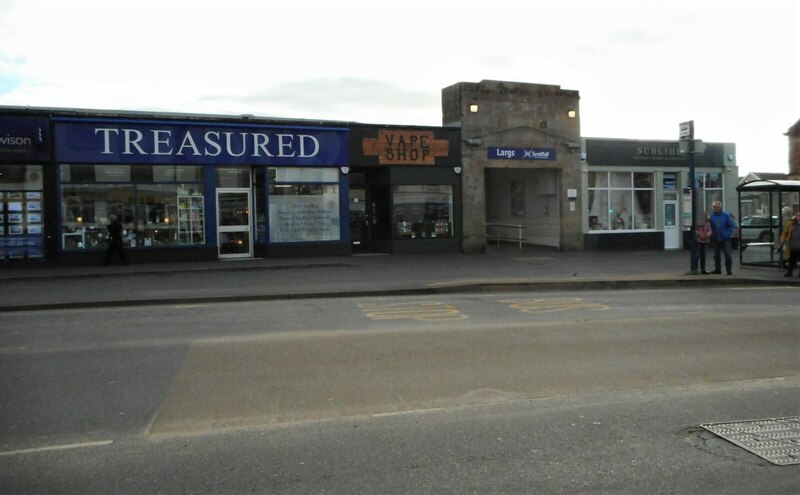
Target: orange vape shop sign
{"type": "Point", "coordinates": [405, 147]}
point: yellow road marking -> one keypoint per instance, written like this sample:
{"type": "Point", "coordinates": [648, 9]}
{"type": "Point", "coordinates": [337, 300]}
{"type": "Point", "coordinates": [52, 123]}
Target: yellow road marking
{"type": "Point", "coordinates": [420, 311]}
{"type": "Point", "coordinates": [552, 305]}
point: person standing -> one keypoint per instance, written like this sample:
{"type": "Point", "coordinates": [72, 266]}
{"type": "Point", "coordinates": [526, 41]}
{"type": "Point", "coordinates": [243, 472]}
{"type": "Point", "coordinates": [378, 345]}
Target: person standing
{"type": "Point", "coordinates": [115, 241]}
{"type": "Point", "coordinates": [722, 230]}
{"type": "Point", "coordinates": [790, 237]}
{"type": "Point", "coordinates": [702, 236]}
{"type": "Point", "coordinates": [786, 218]}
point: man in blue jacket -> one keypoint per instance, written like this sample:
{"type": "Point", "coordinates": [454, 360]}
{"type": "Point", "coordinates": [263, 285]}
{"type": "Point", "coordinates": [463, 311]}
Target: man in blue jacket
{"type": "Point", "coordinates": [722, 230]}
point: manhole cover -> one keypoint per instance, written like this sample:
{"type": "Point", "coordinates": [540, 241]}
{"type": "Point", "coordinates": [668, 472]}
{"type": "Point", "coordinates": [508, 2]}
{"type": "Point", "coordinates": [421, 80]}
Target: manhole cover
{"type": "Point", "coordinates": [776, 440]}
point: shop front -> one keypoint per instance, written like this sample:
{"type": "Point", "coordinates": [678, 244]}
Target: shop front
{"type": "Point", "coordinates": [191, 190]}
{"type": "Point", "coordinates": [404, 189]}
{"type": "Point", "coordinates": [639, 192]}
{"type": "Point", "coordinates": [24, 156]}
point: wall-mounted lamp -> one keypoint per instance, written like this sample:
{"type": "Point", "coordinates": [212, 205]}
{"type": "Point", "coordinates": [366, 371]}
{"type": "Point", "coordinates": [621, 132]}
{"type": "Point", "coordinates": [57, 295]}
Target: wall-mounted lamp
{"type": "Point", "coordinates": [345, 170]}
{"type": "Point", "coordinates": [457, 170]}
{"type": "Point", "coordinates": [473, 143]}
{"type": "Point", "coordinates": [572, 114]}
{"type": "Point", "coordinates": [473, 108]}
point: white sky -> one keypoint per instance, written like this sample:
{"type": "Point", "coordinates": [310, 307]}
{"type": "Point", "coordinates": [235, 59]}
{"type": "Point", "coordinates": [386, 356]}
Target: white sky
{"type": "Point", "coordinates": [641, 67]}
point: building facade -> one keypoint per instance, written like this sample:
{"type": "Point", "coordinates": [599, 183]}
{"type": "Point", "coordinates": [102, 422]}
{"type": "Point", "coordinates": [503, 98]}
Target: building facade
{"type": "Point", "coordinates": [189, 187]}
{"type": "Point", "coordinates": [405, 189]}
{"type": "Point", "coordinates": [521, 161]}
{"type": "Point", "coordinates": [638, 193]}
{"type": "Point", "coordinates": [25, 216]}
{"type": "Point", "coordinates": [508, 163]}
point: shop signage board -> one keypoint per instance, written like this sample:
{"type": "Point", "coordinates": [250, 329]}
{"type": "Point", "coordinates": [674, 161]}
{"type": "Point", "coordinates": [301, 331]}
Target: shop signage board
{"type": "Point", "coordinates": [405, 147]}
{"type": "Point", "coordinates": [24, 139]}
{"type": "Point", "coordinates": [615, 152]}
{"type": "Point", "coordinates": [537, 154]}
{"type": "Point", "coordinates": [136, 142]}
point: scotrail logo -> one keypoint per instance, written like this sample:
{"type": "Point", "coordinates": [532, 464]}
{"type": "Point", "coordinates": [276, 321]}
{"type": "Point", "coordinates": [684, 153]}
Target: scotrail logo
{"type": "Point", "coordinates": [537, 155]}
{"type": "Point", "coordinates": [502, 153]}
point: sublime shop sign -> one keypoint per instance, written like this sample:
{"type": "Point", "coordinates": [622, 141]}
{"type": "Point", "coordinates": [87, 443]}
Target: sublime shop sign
{"type": "Point", "coordinates": [604, 152]}
{"type": "Point", "coordinates": [131, 142]}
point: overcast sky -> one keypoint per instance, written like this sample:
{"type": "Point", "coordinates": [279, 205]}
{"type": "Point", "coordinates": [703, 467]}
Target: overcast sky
{"type": "Point", "coordinates": [641, 67]}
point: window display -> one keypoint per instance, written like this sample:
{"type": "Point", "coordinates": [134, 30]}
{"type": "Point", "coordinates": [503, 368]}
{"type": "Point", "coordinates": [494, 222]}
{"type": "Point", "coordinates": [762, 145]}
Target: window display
{"type": "Point", "coordinates": [304, 205]}
{"type": "Point", "coordinates": [621, 201]}
{"type": "Point", "coordinates": [422, 212]}
{"type": "Point", "coordinates": [21, 212]}
{"type": "Point", "coordinates": [190, 218]}
{"type": "Point", "coordinates": [150, 210]}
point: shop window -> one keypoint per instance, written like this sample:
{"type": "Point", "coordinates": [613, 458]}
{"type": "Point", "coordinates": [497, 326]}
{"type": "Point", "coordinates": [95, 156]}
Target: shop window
{"type": "Point", "coordinates": [709, 186]}
{"type": "Point", "coordinates": [259, 186]}
{"type": "Point", "coordinates": [422, 212]}
{"type": "Point", "coordinates": [167, 213]}
{"type": "Point", "coordinates": [621, 201]}
{"type": "Point", "coordinates": [177, 173]}
{"type": "Point", "coordinates": [21, 210]}
{"type": "Point", "coordinates": [153, 214]}
{"type": "Point", "coordinates": [303, 204]}
{"type": "Point", "coordinates": [85, 209]}
{"type": "Point", "coordinates": [233, 177]}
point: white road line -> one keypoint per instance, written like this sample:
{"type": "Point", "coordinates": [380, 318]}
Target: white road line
{"type": "Point", "coordinates": [57, 447]}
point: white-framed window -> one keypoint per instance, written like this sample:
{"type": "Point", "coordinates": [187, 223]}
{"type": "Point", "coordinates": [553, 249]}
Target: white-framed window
{"type": "Point", "coordinates": [621, 201]}
{"type": "Point", "coordinates": [709, 186]}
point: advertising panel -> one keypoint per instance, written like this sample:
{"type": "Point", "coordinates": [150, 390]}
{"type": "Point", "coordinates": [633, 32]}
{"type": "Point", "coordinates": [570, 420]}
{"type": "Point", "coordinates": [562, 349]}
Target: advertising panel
{"type": "Point", "coordinates": [24, 139]}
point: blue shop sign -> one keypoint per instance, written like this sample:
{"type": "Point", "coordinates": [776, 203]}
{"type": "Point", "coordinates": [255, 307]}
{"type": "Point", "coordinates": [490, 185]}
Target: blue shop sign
{"type": "Point", "coordinates": [154, 143]}
{"type": "Point", "coordinates": [495, 153]}
{"type": "Point", "coordinates": [24, 139]}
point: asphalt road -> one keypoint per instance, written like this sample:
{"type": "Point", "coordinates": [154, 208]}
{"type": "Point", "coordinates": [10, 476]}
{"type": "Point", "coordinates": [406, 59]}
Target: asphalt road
{"type": "Point", "coordinates": [492, 393]}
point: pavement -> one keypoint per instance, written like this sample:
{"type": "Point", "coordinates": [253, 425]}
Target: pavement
{"type": "Point", "coordinates": [504, 268]}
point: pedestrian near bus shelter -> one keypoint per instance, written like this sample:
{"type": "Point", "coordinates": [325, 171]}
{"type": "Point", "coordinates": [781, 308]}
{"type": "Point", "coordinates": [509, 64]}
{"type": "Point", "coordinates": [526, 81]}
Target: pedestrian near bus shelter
{"type": "Point", "coordinates": [702, 236]}
{"type": "Point", "coordinates": [790, 237]}
{"type": "Point", "coordinates": [722, 230]}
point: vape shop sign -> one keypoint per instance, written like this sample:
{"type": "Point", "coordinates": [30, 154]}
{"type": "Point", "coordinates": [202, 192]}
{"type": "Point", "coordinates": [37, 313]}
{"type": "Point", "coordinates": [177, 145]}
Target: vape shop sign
{"type": "Point", "coordinates": [536, 154]}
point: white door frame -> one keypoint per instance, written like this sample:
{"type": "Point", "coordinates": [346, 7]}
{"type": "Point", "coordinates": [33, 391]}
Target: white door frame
{"type": "Point", "coordinates": [236, 228]}
{"type": "Point", "coordinates": [672, 233]}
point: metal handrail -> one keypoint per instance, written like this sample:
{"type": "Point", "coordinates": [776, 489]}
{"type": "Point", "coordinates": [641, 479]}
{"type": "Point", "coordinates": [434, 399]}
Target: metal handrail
{"type": "Point", "coordinates": [498, 237]}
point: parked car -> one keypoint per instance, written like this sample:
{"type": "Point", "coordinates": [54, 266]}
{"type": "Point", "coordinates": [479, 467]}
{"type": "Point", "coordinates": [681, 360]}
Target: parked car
{"type": "Point", "coordinates": [757, 228]}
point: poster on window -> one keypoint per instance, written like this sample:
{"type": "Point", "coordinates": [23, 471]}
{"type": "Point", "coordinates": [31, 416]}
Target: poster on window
{"type": "Point", "coordinates": [304, 218]}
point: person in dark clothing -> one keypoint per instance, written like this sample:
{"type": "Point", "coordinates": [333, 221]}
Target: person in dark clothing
{"type": "Point", "coordinates": [722, 230]}
{"type": "Point", "coordinates": [115, 241]}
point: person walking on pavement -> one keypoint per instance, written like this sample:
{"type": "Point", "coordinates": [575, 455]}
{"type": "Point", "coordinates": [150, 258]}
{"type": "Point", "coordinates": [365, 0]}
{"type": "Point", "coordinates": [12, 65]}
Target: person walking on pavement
{"type": "Point", "coordinates": [790, 237]}
{"type": "Point", "coordinates": [115, 241]}
{"type": "Point", "coordinates": [702, 236]}
{"type": "Point", "coordinates": [722, 230]}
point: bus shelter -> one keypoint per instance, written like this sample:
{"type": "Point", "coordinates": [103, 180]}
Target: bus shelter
{"type": "Point", "coordinates": [765, 206]}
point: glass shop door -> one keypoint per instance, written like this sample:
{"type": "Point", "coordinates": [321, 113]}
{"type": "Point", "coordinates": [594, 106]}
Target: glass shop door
{"type": "Point", "coordinates": [672, 233]}
{"type": "Point", "coordinates": [234, 223]}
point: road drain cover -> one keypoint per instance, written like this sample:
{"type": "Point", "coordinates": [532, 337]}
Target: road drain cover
{"type": "Point", "coordinates": [776, 440]}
